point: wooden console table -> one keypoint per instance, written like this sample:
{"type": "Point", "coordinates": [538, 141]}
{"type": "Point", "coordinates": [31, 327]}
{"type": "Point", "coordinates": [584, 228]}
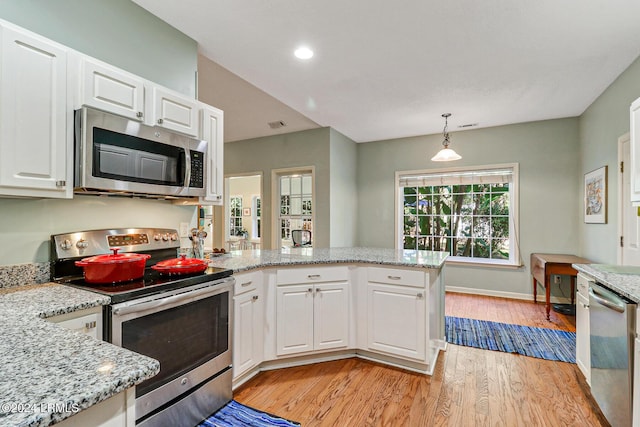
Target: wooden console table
{"type": "Point", "coordinates": [543, 266]}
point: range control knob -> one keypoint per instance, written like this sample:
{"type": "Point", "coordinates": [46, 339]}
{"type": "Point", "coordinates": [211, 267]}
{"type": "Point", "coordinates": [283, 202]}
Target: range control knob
{"type": "Point", "coordinates": [65, 244]}
{"type": "Point", "coordinates": [174, 237]}
{"type": "Point", "coordinates": [82, 244]}
{"type": "Point", "coordinates": [165, 237]}
{"type": "Point", "coordinates": [157, 237]}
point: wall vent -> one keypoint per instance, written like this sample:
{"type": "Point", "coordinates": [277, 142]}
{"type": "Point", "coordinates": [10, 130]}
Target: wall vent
{"type": "Point", "coordinates": [468, 125]}
{"type": "Point", "coordinates": [277, 124]}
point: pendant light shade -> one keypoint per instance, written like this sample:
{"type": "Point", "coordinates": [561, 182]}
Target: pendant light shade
{"type": "Point", "coordinates": [446, 154]}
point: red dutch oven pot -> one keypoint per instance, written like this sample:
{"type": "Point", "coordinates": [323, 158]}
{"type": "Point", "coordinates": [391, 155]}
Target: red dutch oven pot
{"type": "Point", "coordinates": [182, 265]}
{"type": "Point", "coordinates": [113, 268]}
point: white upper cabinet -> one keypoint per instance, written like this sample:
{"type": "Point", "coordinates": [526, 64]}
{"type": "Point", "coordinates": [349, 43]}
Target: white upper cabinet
{"type": "Point", "coordinates": [107, 88]}
{"type": "Point", "coordinates": [35, 124]}
{"type": "Point", "coordinates": [212, 132]}
{"type": "Point", "coordinates": [172, 111]}
{"type": "Point", "coordinates": [635, 151]}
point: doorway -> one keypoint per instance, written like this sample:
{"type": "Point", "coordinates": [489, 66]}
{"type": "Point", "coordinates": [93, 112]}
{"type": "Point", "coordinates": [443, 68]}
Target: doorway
{"type": "Point", "coordinates": [243, 224]}
{"type": "Point", "coordinates": [628, 215]}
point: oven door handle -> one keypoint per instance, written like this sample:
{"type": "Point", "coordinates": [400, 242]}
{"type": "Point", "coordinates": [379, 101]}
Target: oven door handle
{"type": "Point", "coordinates": [121, 311]}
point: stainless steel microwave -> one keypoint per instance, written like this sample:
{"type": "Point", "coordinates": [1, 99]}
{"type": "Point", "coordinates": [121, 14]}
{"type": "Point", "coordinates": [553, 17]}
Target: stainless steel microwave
{"type": "Point", "coordinates": [118, 156]}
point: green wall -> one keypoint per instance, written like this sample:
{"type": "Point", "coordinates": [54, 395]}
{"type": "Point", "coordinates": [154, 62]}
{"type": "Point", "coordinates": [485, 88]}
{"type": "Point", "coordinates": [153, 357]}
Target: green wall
{"type": "Point", "coordinates": [546, 152]}
{"type": "Point", "coordinates": [343, 188]}
{"type": "Point", "coordinates": [600, 127]}
{"type": "Point", "coordinates": [123, 34]}
{"type": "Point", "coordinates": [291, 150]}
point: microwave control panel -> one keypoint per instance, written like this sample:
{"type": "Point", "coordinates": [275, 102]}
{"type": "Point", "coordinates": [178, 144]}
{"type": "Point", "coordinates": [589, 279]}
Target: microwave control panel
{"type": "Point", "coordinates": [197, 169]}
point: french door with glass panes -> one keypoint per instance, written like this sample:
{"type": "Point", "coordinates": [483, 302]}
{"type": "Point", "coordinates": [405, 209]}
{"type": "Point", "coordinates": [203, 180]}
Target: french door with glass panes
{"type": "Point", "coordinates": [296, 210]}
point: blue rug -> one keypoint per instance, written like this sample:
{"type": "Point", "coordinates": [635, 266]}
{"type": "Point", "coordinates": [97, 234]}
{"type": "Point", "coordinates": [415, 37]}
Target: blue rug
{"type": "Point", "coordinates": [542, 343]}
{"type": "Point", "coordinates": [235, 414]}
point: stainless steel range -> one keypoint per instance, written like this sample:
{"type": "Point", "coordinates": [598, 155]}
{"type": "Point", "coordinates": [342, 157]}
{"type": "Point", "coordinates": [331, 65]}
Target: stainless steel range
{"type": "Point", "coordinates": [183, 321]}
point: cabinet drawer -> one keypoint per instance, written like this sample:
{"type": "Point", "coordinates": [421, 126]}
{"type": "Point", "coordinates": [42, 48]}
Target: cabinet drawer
{"type": "Point", "coordinates": [396, 276]}
{"type": "Point", "coordinates": [246, 282]}
{"type": "Point", "coordinates": [583, 285]}
{"type": "Point", "coordinates": [290, 276]}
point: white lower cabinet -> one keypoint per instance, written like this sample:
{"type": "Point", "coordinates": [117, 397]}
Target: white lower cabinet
{"type": "Point", "coordinates": [397, 312]}
{"type": "Point", "coordinates": [312, 310]}
{"type": "Point", "coordinates": [583, 348]}
{"type": "Point", "coordinates": [117, 411]}
{"type": "Point", "coordinates": [248, 322]}
{"type": "Point", "coordinates": [88, 322]}
{"type": "Point", "coordinates": [396, 320]}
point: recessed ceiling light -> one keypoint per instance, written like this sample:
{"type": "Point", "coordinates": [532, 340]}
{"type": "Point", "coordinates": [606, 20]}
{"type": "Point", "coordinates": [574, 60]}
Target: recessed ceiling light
{"type": "Point", "coordinates": [303, 53]}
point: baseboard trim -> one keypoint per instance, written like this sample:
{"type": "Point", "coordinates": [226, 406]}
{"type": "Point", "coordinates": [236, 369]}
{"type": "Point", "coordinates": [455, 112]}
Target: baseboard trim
{"type": "Point", "coordinates": [503, 294]}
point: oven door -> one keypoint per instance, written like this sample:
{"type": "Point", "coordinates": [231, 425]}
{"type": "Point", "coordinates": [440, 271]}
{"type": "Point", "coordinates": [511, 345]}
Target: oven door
{"type": "Point", "coordinates": [188, 331]}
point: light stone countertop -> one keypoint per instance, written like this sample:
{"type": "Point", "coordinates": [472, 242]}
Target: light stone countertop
{"type": "Point", "coordinates": [42, 364]}
{"type": "Point", "coordinates": [624, 280]}
{"type": "Point", "coordinates": [250, 259]}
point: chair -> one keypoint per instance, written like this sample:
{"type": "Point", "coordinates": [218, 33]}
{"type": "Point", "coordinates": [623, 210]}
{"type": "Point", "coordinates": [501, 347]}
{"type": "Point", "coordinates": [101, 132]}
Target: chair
{"type": "Point", "coordinates": [301, 238]}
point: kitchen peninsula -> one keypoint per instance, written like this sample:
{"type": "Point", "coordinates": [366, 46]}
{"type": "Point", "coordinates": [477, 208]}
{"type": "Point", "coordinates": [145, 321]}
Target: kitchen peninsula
{"type": "Point", "coordinates": [304, 305]}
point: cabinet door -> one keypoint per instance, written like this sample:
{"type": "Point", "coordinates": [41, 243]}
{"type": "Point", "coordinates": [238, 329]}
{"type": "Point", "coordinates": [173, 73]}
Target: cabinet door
{"type": "Point", "coordinates": [212, 132]}
{"type": "Point", "coordinates": [634, 129]}
{"type": "Point", "coordinates": [174, 112]}
{"type": "Point", "coordinates": [88, 322]}
{"type": "Point", "coordinates": [294, 319]}
{"type": "Point", "coordinates": [396, 320]}
{"type": "Point", "coordinates": [111, 90]}
{"type": "Point", "coordinates": [583, 351]}
{"type": "Point", "coordinates": [331, 316]}
{"type": "Point", "coordinates": [247, 332]}
{"type": "Point", "coordinates": [34, 121]}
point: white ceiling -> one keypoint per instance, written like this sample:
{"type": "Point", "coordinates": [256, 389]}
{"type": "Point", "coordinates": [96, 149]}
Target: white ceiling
{"type": "Point", "coordinates": [385, 69]}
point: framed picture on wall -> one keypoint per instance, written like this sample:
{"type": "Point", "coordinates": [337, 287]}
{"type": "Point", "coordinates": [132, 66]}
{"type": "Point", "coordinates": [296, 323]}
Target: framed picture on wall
{"type": "Point", "coordinates": [595, 196]}
{"type": "Point", "coordinates": [246, 212]}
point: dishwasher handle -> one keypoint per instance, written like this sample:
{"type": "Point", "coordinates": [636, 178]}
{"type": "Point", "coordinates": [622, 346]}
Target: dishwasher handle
{"type": "Point", "coordinates": [607, 298]}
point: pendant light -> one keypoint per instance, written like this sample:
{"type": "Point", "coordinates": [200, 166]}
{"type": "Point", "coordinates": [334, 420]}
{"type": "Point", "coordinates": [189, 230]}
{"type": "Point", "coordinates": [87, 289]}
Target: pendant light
{"type": "Point", "coordinates": [446, 154]}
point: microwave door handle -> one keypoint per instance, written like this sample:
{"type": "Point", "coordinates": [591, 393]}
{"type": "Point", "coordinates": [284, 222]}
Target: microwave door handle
{"type": "Point", "coordinates": [187, 160]}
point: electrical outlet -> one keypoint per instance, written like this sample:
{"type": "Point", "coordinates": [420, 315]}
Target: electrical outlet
{"type": "Point", "coordinates": [557, 279]}
{"type": "Point", "coordinates": [184, 229]}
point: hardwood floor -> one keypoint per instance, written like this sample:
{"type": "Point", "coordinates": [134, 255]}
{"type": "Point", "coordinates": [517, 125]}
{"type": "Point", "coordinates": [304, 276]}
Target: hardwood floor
{"type": "Point", "coordinates": [470, 387]}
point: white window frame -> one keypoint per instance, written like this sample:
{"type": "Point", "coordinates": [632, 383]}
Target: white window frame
{"type": "Point", "coordinates": [276, 174]}
{"type": "Point", "coordinates": [255, 217]}
{"type": "Point", "coordinates": [232, 217]}
{"type": "Point", "coordinates": [514, 229]}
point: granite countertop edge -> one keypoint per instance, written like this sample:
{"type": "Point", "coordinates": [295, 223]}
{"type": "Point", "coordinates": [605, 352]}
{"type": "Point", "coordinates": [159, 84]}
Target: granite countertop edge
{"type": "Point", "coordinates": [49, 372]}
{"type": "Point", "coordinates": [626, 281]}
{"type": "Point", "coordinates": [247, 260]}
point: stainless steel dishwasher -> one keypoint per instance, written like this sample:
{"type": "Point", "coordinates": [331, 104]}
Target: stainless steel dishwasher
{"type": "Point", "coordinates": [612, 322]}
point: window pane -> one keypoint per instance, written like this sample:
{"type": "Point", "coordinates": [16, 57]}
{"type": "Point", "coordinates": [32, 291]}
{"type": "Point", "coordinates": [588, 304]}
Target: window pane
{"type": "Point", "coordinates": [462, 247]}
{"type": "Point", "coordinates": [500, 204]}
{"type": "Point", "coordinates": [296, 185]}
{"type": "Point", "coordinates": [482, 203]}
{"type": "Point", "coordinates": [409, 242]}
{"type": "Point", "coordinates": [296, 205]}
{"type": "Point", "coordinates": [306, 206]}
{"type": "Point", "coordinates": [500, 249]}
{"type": "Point", "coordinates": [500, 227]}
{"type": "Point", "coordinates": [482, 227]}
{"type": "Point", "coordinates": [481, 248]}
{"type": "Point", "coordinates": [285, 185]}
{"type": "Point", "coordinates": [424, 223]}
{"type": "Point", "coordinates": [306, 185]}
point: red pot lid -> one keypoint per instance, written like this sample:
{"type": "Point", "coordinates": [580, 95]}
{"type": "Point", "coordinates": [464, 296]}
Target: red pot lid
{"type": "Point", "coordinates": [182, 262]}
{"type": "Point", "coordinates": [114, 258]}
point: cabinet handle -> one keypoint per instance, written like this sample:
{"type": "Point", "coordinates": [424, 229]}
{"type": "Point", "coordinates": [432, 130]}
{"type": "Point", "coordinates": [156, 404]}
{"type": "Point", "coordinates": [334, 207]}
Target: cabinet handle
{"type": "Point", "coordinates": [313, 276]}
{"type": "Point", "coordinates": [139, 114]}
{"type": "Point", "coordinates": [255, 297]}
{"type": "Point", "coordinates": [160, 121]}
{"type": "Point", "coordinates": [246, 283]}
{"type": "Point", "coordinates": [90, 325]}
{"type": "Point", "coordinates": [61, 183]}
{"type": "Point", "coordinates": [310, 290]}
{"type": "Point", "coordinates": [420, 295]}
{"type": "Point", "coordinates": [394, 277]}
{"type": "Point", "coordinates": [318, 290]}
